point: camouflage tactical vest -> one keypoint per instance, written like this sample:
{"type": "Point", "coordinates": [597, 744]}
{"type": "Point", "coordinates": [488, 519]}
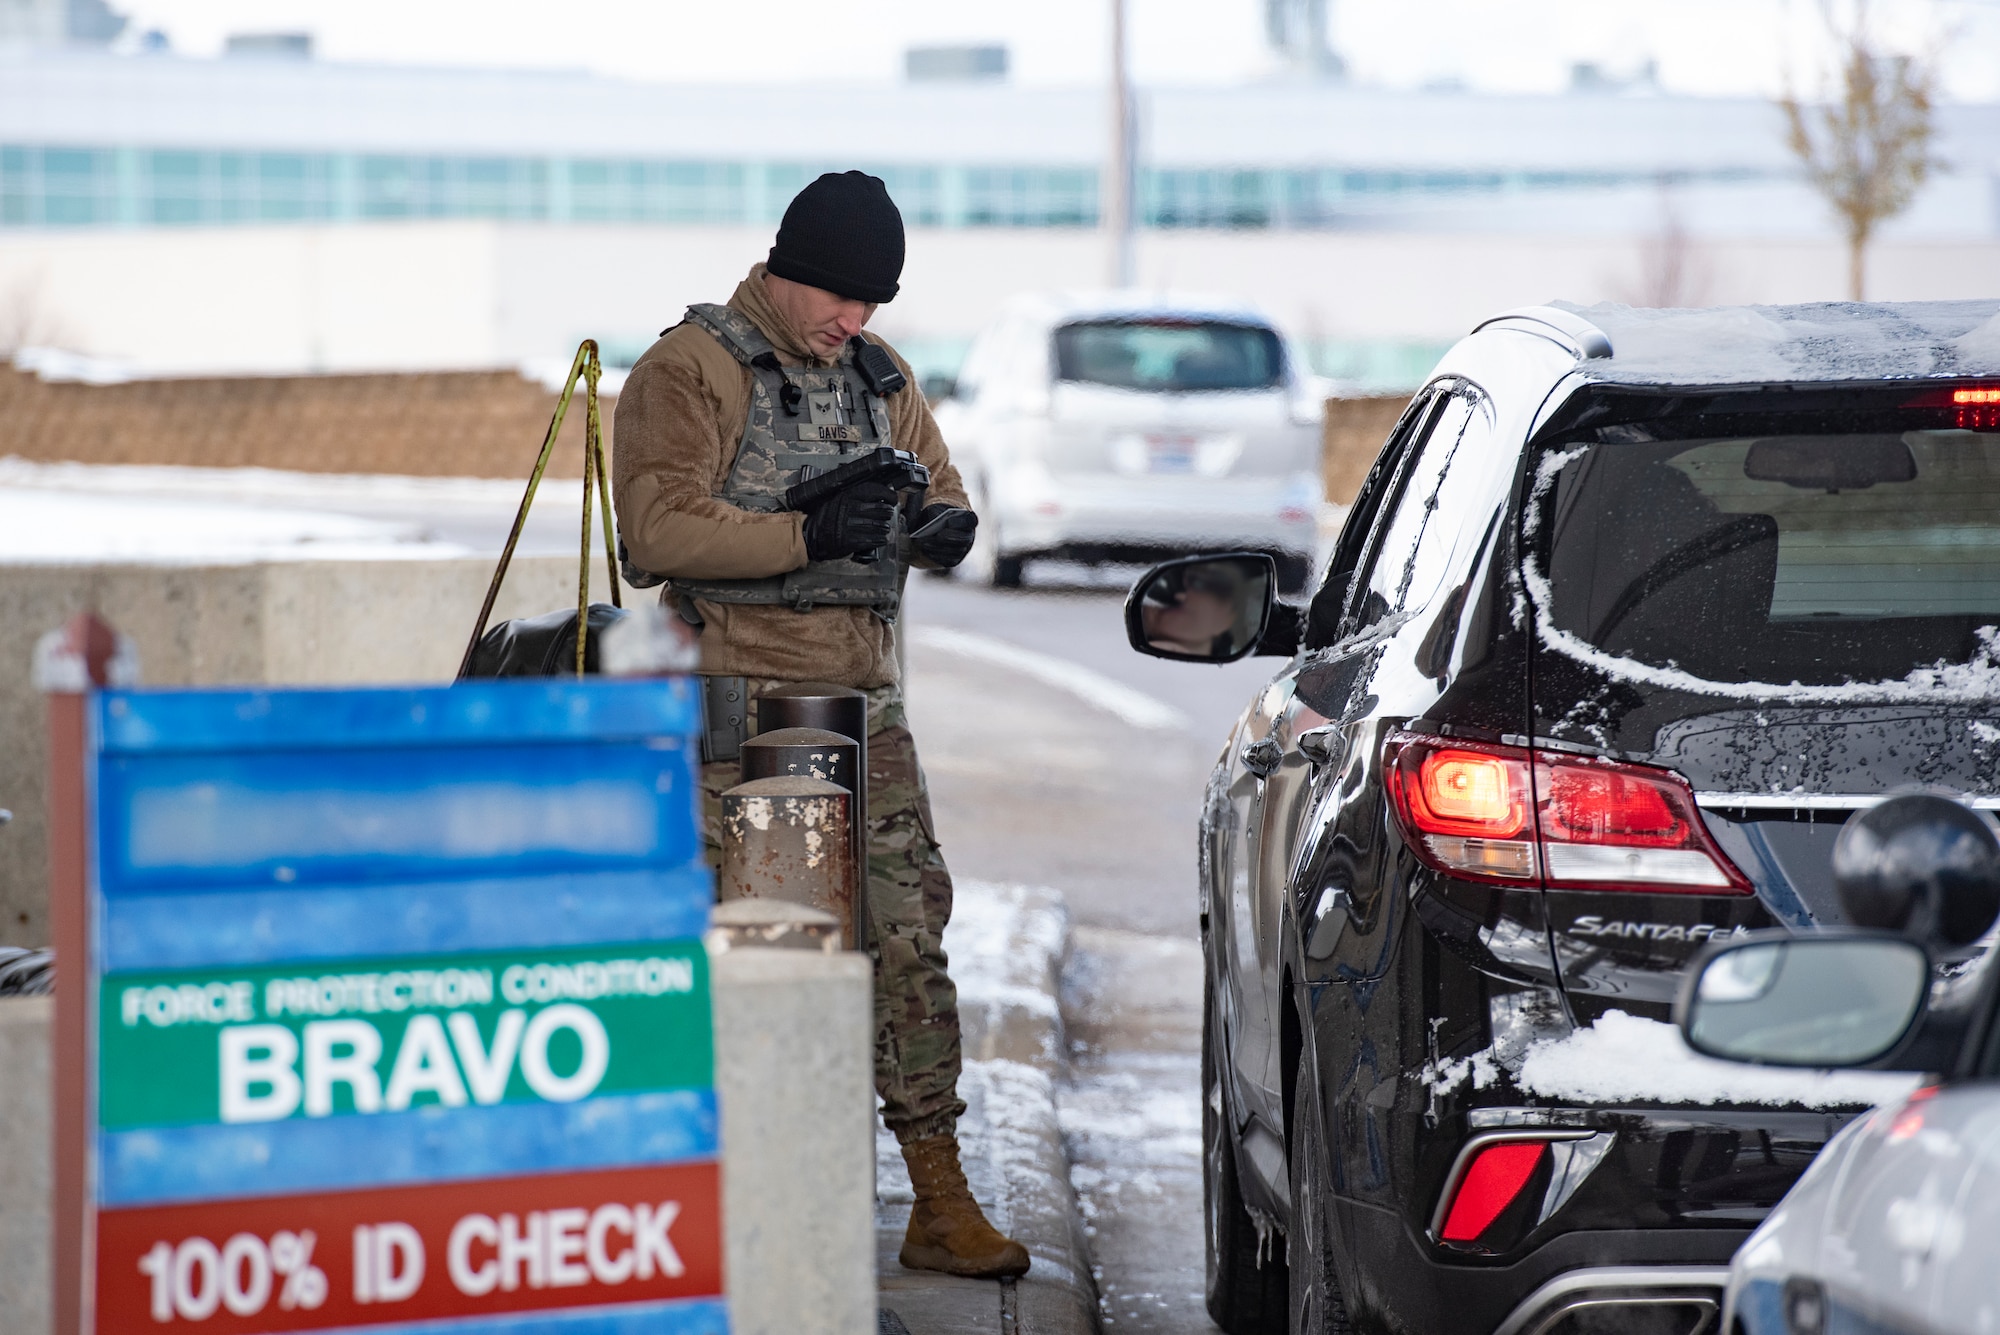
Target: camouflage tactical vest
{"type": "Point", "coordinates": [800, 418]}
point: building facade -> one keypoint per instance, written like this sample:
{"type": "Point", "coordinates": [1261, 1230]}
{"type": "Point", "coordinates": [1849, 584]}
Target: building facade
{"type": "Point", "coordinates": [1272, 192]}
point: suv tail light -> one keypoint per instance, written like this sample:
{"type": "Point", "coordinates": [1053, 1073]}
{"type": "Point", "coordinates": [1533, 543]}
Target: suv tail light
{"type": "Point", "coordinates": [1514, 816]}
{"type": "Point", "coordinates": [1488, 1185]}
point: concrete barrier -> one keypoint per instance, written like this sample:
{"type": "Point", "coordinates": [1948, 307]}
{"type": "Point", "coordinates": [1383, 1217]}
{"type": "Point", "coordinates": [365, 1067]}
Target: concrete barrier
{"type": "Point", "coordinates": [24, 1164]}
{"type": "Point", "coordinates": [794, 1077]}
{"type": "Point", "coordinates": [292, 623]}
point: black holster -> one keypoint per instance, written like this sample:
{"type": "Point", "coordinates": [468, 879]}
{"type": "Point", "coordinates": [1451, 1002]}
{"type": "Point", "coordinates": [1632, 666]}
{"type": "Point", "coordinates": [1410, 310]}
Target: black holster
{"type": "Point", "coordinates": [725, 718]}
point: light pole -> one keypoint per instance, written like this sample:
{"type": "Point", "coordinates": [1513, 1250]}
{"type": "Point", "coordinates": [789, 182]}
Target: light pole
{"type": "Point", "coordinates": [1119, 206]}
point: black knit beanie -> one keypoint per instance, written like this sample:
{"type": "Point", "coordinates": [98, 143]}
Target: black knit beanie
{"type": "Point", "coordinates": [842, 233]}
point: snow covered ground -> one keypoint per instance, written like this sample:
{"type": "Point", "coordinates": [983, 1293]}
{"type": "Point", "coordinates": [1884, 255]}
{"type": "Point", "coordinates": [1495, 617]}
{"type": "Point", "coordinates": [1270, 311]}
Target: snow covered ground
{"type": "Point", "coordinates": [56, 527]}
{"type": "Point", "coordinates": [1131, 1116]}
{"type": "Point", "coordinates": [67, 512]}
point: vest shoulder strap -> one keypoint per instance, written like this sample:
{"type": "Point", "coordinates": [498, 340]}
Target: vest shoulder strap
{"type": "Point", "coordinates": [733, 330]}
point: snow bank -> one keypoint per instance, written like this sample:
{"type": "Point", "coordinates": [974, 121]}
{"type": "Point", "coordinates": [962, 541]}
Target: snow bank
{"type": "Point", "coordinates": [61, 513]}
{"type": "Point", "coordinates": [48, 527]}
{"type": "Point", "coordinates": [1003, 939]}
{"type": "Point", "coordinates": [1006, 944]}
{"type": "Point", "coordinates": [262, 485]}
{"type": "Point", "coordinates": [57, 366]}
{"type": "Point", "coordinates": [1625, 1059]}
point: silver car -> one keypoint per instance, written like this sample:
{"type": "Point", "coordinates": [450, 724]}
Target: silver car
{"type": "Point", "coordinates": [1895, 1229]}
{"type": "Point", "coordinates": [1125, 428]}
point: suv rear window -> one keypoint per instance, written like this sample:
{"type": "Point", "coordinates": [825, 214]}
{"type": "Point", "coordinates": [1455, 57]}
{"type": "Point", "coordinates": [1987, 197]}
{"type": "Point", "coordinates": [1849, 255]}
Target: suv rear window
{"type": "Point", "coordinates": [1169, 355]}
{"type": "Point", "coordinates": [1813, 557]}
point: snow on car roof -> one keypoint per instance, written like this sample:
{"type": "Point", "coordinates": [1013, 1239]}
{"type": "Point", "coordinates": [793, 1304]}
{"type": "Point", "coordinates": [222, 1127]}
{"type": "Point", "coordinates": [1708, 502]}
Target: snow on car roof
{"type": "Point", "coordinates": [1832, 340]}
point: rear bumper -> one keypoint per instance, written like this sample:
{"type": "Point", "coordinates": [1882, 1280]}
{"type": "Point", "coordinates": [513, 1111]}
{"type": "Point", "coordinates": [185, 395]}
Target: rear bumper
{"type": "Point", "coordinates": [1036, 514]}
{"type": "Point", "coordinates": [1652, 1222]}
{"type": "Point", "coordinates": [1402, 1280]}
{"type": "Point", "coordinates": [1080, 530]}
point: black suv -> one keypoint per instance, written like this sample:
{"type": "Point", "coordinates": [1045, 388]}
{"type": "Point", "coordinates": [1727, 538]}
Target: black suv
{"type": "Point", "coordinates": [1633, 611]}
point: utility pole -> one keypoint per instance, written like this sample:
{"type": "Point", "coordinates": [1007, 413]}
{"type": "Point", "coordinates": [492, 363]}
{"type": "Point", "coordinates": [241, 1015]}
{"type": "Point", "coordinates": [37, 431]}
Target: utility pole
{"type": "Point", "coordinates": [1119, 206]}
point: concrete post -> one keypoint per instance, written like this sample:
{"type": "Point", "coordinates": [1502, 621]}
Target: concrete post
{"type": "Point", "coordinates": [789, 838]}
{"type": "Point", "coordinates": [794, 1077]}
{"type": "Point", "coordinates": [25, 1188]}
{"type": "Point", "coordinates": [772, 924]}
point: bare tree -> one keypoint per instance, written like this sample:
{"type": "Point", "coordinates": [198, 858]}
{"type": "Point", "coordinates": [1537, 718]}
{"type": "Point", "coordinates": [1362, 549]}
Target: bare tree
{"type": "Point", "coordinates": [1868, 149]}
{"type": "Point", "coordinates": [1674, 268]}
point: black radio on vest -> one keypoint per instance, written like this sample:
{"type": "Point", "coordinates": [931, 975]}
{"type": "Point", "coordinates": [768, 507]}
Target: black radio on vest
{"type": "Point", "coordinates": [877, 367]}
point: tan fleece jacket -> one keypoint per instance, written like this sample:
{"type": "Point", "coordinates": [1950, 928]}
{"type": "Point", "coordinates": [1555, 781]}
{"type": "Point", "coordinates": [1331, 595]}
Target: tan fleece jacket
{"type": "Point", "coordinates": [679, 420]}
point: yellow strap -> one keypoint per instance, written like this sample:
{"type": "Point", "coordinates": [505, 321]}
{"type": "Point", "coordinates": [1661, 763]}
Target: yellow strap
{"type": "Point", "coordinates": [585, 367]}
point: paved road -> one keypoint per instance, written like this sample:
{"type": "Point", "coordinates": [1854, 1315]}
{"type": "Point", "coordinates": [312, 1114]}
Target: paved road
{"type": "Point", "coordinates": [1047, 787]}
{"type": "Point", "coordinates": [1034, 782]}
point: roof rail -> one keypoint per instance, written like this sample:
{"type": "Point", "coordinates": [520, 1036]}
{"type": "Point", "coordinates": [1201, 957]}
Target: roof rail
{"type": "Point", "coordinates": [1584, 340]}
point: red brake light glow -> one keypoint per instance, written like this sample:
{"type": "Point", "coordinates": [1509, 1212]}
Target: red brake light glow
{"type": "Point", "coordinates": [1978, 406]}
{"type": "Point", "coordinates": [1490, 1184]}
{"type": "Point", "coordinates": [1466, 808]}
{"type": "Point", "coordinates": [1469, 792]}
{"type": "Point", "coordinates": [1513, 816]}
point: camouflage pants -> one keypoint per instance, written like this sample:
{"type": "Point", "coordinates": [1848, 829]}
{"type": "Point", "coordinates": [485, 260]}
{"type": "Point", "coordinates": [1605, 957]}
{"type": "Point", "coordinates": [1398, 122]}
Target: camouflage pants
{"type": "Point", "coordinates": [909, 900]}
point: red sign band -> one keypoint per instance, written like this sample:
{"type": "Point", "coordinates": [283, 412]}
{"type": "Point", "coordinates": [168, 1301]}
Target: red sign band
{"type": "Point", "coordinates": [408, 1253]}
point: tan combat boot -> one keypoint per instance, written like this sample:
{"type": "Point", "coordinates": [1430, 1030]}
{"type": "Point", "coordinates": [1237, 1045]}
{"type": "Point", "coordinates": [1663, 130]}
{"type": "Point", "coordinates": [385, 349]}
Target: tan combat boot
{"type": "Point", "coordinates": [947, 1230]}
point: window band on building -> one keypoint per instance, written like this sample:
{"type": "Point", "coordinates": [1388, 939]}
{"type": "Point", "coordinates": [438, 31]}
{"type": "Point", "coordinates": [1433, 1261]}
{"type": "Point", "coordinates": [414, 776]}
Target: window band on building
{"type": "Point", "coordinates": [64, 186]}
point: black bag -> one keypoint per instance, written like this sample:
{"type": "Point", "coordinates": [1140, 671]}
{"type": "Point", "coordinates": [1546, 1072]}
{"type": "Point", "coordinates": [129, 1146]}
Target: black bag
{"type": "Point", "coordinates": [548, 645]}
{"type": "Point", "coordinates": [543, 646]}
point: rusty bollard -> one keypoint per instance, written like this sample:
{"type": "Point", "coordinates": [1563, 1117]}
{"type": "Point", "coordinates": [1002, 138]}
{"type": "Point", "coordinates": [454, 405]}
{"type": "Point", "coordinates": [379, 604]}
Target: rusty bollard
{"type": "Point", "coordinates": [829, 708]}
{"type": "Point", "coordinates": [837, 709]}
{"type": "Point", "coordinates": [813, 752]}
{"type": "Point", "coordinates": [788, 838]}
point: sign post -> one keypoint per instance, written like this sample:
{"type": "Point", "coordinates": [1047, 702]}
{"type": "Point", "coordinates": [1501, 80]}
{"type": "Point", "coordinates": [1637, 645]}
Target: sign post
{"type": "Point", "coordinates": [388, 1006]}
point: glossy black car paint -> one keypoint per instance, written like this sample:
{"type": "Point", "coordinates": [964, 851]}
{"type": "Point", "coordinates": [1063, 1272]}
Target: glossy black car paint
{"type": "Point", "coordinates": [1324, 935]}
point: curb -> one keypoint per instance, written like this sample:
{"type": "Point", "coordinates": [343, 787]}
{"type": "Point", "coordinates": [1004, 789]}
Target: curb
{"type": "Point", "coordinates": [1007, 945]}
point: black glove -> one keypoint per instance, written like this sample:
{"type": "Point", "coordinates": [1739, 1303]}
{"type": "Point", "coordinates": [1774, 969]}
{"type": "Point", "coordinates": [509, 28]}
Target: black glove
{"type": "Point", "coordinates": [851, 522]}
{"type": "Point", "coordinates": [951, 538]}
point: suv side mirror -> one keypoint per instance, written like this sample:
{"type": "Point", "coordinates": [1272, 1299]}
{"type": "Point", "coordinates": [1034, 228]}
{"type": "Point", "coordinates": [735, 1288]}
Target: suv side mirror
{"type": "Point", "coordinates": [1203, 609]}
{"type": "Point", "coordinates": [1920, 865]}
{"type": "Point", "coordinates": [1828, 999]}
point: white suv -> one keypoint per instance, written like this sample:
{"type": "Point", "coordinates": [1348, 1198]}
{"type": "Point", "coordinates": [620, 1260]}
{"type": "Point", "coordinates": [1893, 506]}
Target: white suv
{"type": "Point", "coordinates": [1126, 427]}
